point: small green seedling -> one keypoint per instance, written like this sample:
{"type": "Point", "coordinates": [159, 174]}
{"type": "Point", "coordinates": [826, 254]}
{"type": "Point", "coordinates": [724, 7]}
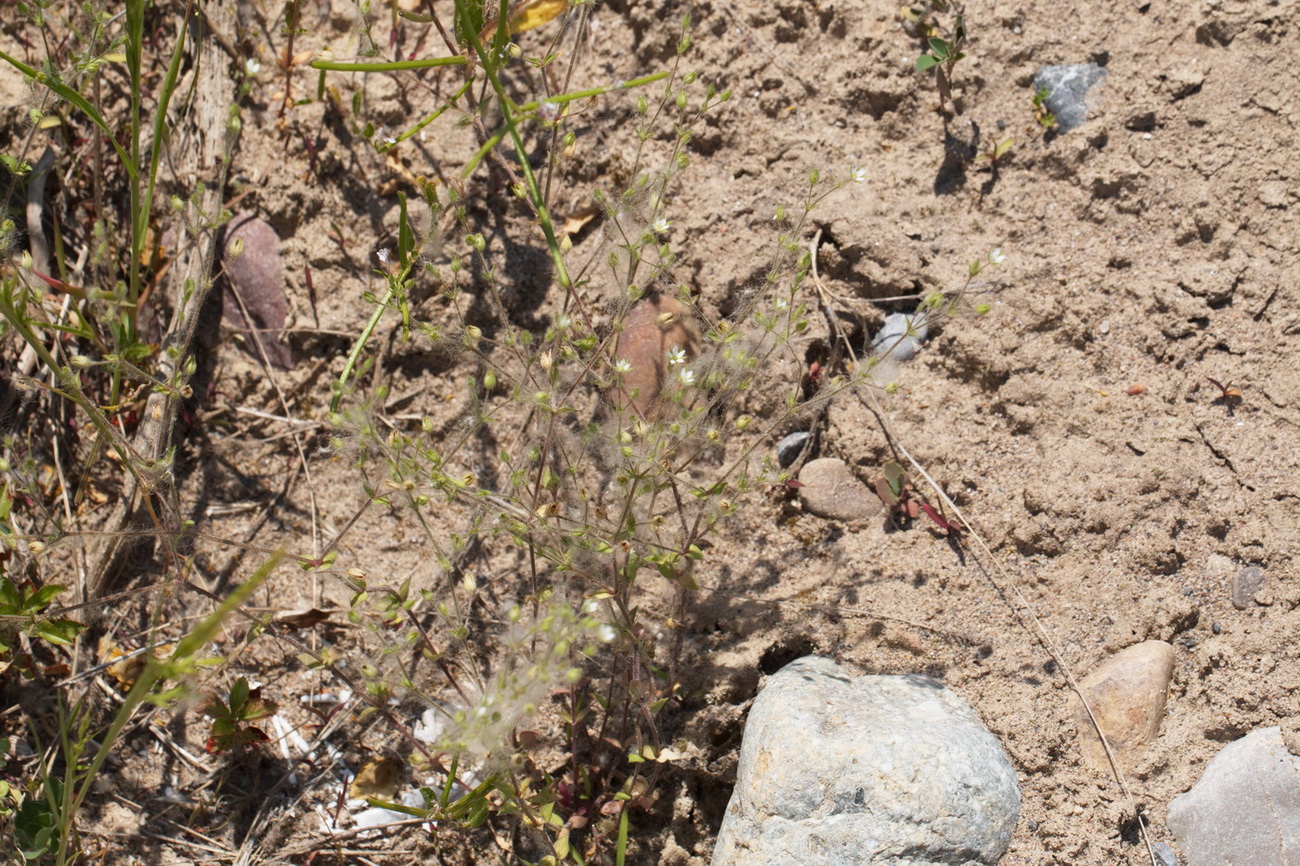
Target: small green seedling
{"type": "Point", "coordinates": [942, 51]}
{"type": "Point", "coordinates": [995, 153]}
{"type": "Point", "coordinates": [232, 720]}
{"type": "Point", "coordinates": [903, 507]}
{"type": "Point", "coordinates": [942, 57]}
{"type": "Point", "coordinates": [894, 491]}
{"type": "Point", "coordinates": [21, 608]}
{"type": "Point", "coordinates": [1046, 119]}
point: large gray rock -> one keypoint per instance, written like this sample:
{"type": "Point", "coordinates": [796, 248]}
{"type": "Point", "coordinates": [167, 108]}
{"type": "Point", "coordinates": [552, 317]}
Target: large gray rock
{"type": "Point", "coordinates": [1245, 810]}
{"type": "Point", "coordinates": [837, 770]}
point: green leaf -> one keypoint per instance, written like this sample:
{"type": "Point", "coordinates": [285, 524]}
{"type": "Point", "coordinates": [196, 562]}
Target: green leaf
{"type": "Point", "coordinates": [43, 596]}
{"type": "Point", "coordinates": [895, 478]}
{"type": "Point", "coordinates": [60, 632]}
{"type": "Point", "coordinates": [925, 61]}
{"type": "Point", "coordinates": [35, 829]}
{"type": "Point", "coordinates": [939, 48]}
{"type": "Point", "coordinates": [238, 696]}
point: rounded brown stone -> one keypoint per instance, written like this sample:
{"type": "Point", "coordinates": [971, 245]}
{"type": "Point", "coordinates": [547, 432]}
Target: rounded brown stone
{"type": "Point", "coordinates": [831, 490]}
{"type": "Point", "coordinates": [1127, 693]}
{"type": "Point", "coordinates": [654, 326]}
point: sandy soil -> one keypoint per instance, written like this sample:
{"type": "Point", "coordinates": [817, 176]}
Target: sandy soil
{"type": "Point", "coordinates": [1149, 251]}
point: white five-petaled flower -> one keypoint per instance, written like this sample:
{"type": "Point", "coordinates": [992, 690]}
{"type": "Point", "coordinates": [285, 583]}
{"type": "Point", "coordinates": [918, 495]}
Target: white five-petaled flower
{"type": "Point", "coordinates": [997, 257]}
{"type": "Point", "coordinates": [382, 255]}
{"type": "Point", "coordinates": [605, 632]}
{"type": "Point", "coordinates": [623, 365]}
{"type": "Point", "coordinates": [676, 355]}
{"type": "Point", "coordinates": [780, 303]}
{"type": "Point", "coordinates": [661, 226]}
{"type": "Point", "coordinates": [252, 67]}
{"type": "Point", "coordinates": [687, 377]}
{"type": "Point", "coordinates": [857, 174]}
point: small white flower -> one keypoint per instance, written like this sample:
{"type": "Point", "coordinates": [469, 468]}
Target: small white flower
{"type": "Point", "coordinates": [676, 355]}
{"type": "Point", "coordinates": [687, 377]}
{"type": "Point", "coordinates": [548, 111]}
{"type": "Point", "coordinates": [252, 67]}
{"type": "Point", "coordinates": [661, 226]}
{"type": "Point", "coordinates": [858, 174]}
{"type": "Point", "coordinates": [997, 257]}
{"type": "Point", "coordinates": [606, 632]}
{"type": "Point", "coordinates": [622, 365]}
{"type": "Point", "coordinates": [563, 321]}
{"type": "Point", "coordinates": [780, 303]}
{"type": "Point", "coordinates": [382, 255]}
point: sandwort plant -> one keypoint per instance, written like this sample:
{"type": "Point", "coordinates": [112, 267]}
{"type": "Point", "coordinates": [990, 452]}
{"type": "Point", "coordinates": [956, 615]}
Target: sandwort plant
{"type": "Point", "coordinates": [564, 511]}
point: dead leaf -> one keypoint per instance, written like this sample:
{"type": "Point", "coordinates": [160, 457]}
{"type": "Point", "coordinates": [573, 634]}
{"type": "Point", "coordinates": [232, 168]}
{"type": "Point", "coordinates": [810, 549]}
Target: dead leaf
{"type": "Point", "coordinates": [379, 778]}
{"type": "Point", "coordinates": [255, 277]}
{"type": "Point", "coordinates": [577, 221]}
{"type": "Point", "coordinates": [302, 618]}
{"type": "Point", "coordinates": [128, 670]}
{"type": "Point", "coordinates": [527, 15]}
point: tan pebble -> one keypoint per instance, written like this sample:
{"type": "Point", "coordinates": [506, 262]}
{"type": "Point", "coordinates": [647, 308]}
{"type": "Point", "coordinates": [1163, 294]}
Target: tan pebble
{"type": "Point", "coordinates": [653, 327]}
{"type": "Point", "coordinates": [896, 638]}
{"type": "Point", "coordinates": [1127, 693]}
{"type": "Point", "coordinates": [831, 490]}
{"type": "Point", "coordinates": [1246, 584]}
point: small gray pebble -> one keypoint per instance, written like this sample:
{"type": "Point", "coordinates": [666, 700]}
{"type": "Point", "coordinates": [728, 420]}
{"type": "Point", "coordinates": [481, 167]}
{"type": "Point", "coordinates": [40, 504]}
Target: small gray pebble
{"type": "Point", "coordinates": [894, 336]}
{"type": "Point", "coordinates": [1165, 855]}
{"type": "Point", "coordinates": [1067, 89]}
{"type": "Point", "coordinates": [1216, 628]}
{"type": "Point", "coordinates": [789, 448]}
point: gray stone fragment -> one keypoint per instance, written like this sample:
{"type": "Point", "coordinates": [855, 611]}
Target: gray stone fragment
{"type": "Point", "coordinates": [1245, 584]}
{"type": "Point", "coordinates": [789, 448]}
{"type": "Point", "coordinates": [1165, 855]}
{"type": "Point", "coordinates": [894, 337]}
{"type": "Point", "coordinates": [837, 770]}
{"type": "Point", "coordinates": [1067, 89]}
{"type": "Point", "coordinates": [1245, 810]}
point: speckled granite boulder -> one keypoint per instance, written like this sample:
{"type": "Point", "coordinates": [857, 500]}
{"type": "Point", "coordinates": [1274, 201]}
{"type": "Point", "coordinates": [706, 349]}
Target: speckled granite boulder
{"type": "Point", "coordinates": [837, 770]}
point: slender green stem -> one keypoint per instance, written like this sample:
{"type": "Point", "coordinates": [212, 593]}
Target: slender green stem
{"type": "Point", "coordinates": [530, 179]}
{"type": "Point", "coordinates": [432, 117]}
{"type": "Point", "coordinates": [386, 65]}
{"type": "Point", "coordinates": [360, 344]}
{"type": "Point", "coordinates": [575, 95]}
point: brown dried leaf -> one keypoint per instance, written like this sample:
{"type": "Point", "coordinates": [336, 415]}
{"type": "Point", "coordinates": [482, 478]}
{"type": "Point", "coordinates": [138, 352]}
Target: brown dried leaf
{"type": "Point", "coordinates": [379, 778]}
{"type": "Point", "coordinates": [302, 618]}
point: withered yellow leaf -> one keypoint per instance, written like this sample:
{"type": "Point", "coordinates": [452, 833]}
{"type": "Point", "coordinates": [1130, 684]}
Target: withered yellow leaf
{"type": "Point", "coordinates": [526, 15]}
{"type": "Point", "coordinates": [379, 778]}
{"type": "Point", "coordinates": [535, 13]}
